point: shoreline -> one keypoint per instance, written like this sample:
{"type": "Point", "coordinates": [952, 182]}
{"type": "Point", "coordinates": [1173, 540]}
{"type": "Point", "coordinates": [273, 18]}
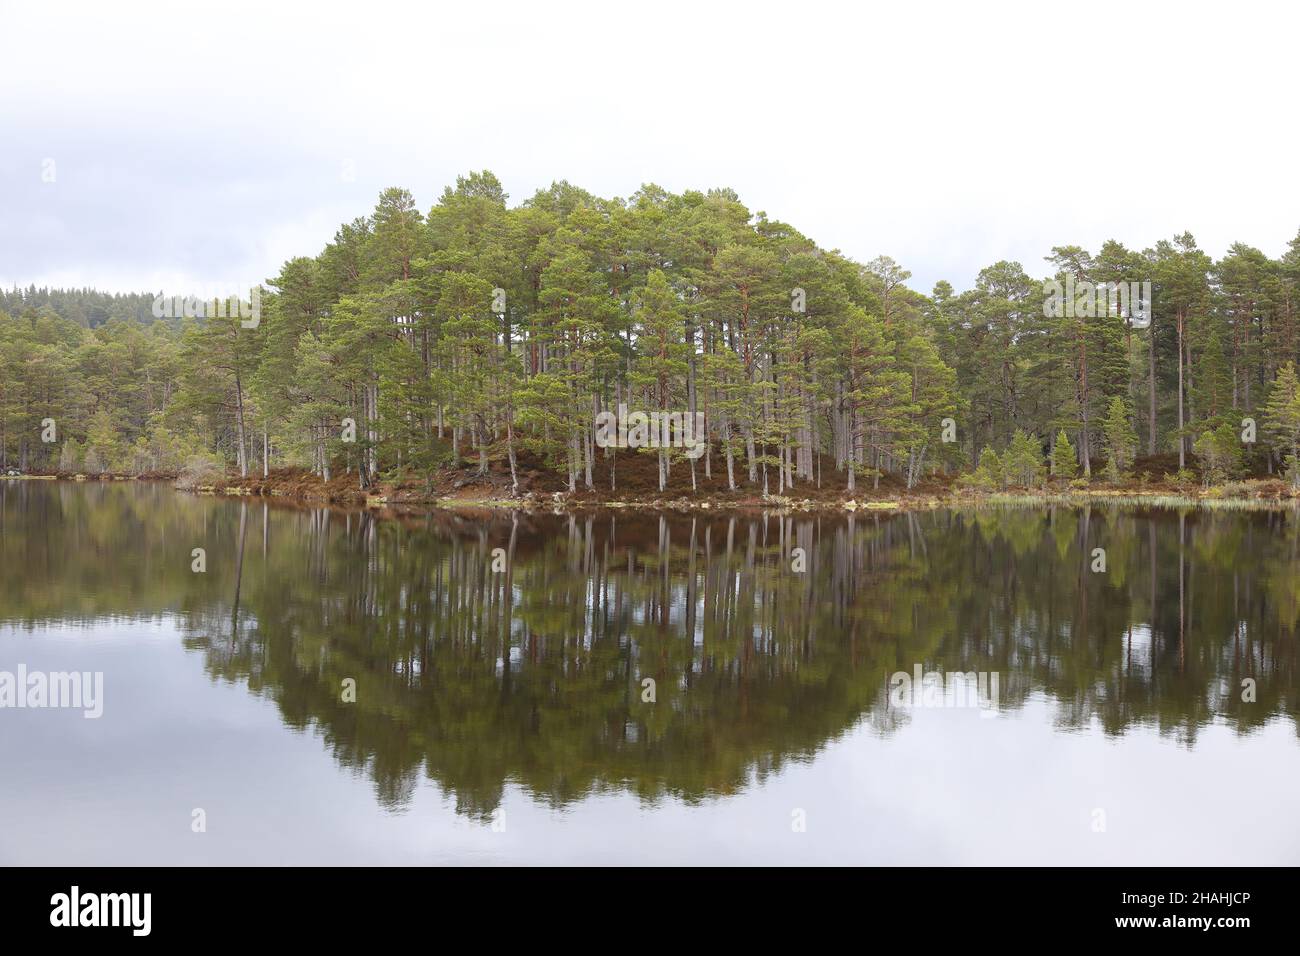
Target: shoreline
{"type": "Point", "coordinates": [292, 488]}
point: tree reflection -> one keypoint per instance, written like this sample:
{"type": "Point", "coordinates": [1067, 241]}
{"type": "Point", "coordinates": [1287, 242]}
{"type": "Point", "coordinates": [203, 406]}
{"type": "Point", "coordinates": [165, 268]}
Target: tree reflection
{"type": "Point", "coordinates": [533, 675]}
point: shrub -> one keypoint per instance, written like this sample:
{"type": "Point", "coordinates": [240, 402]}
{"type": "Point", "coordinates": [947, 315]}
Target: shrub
{"type": "Point", "coordinates": [1241, 489]}
{"type": "Point", "coordinates": [70, 457]}
{"type": "Point", "coordinates": [200, 471]}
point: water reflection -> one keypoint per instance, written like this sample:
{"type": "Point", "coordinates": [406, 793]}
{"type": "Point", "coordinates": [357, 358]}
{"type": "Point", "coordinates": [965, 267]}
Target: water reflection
{"type": "Point", "coordinates": [533, 675]}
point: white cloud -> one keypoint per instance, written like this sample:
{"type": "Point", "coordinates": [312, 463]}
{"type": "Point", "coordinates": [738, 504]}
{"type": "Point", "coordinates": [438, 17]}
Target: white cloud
{"type": "Point", "coordinates": [208, 141]}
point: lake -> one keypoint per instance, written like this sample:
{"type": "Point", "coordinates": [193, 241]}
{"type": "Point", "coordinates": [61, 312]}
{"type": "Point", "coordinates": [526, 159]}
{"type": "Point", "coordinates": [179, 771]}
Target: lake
{"type": "Point", "coordinates": [319, 686]}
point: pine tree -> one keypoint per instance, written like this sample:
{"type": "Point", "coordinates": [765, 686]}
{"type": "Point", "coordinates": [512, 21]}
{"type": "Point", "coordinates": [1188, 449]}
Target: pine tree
{"type": "Point", "coordinates": [931, 398]}
{"type": "Point", "coordinates": [1065, 464]}
{"type": "Point", "coordinates": [659, 368]}
{"type": "Point", "coordinates": [1281, 416]}
{"type": "Point", "coordinates": [1023, 462]}
{"type": "Point", "coordinates": [1120, 438]}
{"type": "Point", "coordinates": [1219, 451]}
{"type": "Point", "coordinates": [988, 474]}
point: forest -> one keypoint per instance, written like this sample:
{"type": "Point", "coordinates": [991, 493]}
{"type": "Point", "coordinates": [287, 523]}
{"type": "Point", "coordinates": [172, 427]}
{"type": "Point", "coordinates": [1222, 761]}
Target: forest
{"type": "Point", "coordinates": [480, 335]}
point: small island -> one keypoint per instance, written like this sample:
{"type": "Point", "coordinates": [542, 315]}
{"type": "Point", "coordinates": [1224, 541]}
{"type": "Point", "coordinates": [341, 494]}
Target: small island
{"type": "Point", "coordinates": [666, 348]}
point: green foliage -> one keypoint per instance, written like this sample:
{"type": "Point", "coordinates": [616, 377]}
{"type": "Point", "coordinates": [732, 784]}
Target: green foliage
{"type": "Point", "coordinates": [1281, 417]}
{"type": "Point", "coordinates": [477, 329]}
{"type": "Point", "coordinates": [1065, 463]}
{"type": "Point", "coordinates": [1292, 471]}
{"type": "Point", "coordinates": [988, 474]}
{"type": "Point", "coordinates": [1023, 463]}
{"type": "Point", "coordinates": [1220, 454]}
{"type": "Point", "coordinates": [1120, 438]}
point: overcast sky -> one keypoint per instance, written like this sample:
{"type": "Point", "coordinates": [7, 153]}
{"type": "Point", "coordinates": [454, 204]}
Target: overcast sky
{"type": "Point", "coordinates": [194, 147]}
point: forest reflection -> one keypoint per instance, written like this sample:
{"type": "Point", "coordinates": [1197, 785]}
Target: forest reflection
{"type": "Point", "coordinates": [532, 675]}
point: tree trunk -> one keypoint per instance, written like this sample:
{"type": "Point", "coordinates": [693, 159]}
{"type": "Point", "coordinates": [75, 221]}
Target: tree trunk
{"type": "Point", "coordinates": [1182, 441]}
{"type": "Point", "coordinates": [1151, 388]}
{"type": "Point", "coordinates": [243, 448]}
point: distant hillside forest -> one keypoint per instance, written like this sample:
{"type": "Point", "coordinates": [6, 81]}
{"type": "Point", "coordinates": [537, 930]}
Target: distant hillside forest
{"type": "Point", "coordinates": [86, 307]}
{"type": "Point", "coordinates": [476, 332]}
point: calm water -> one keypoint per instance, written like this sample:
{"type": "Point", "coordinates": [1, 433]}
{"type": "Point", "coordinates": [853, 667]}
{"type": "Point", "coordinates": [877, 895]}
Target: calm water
{"type": "Point", "coordinates": [499, 715]}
